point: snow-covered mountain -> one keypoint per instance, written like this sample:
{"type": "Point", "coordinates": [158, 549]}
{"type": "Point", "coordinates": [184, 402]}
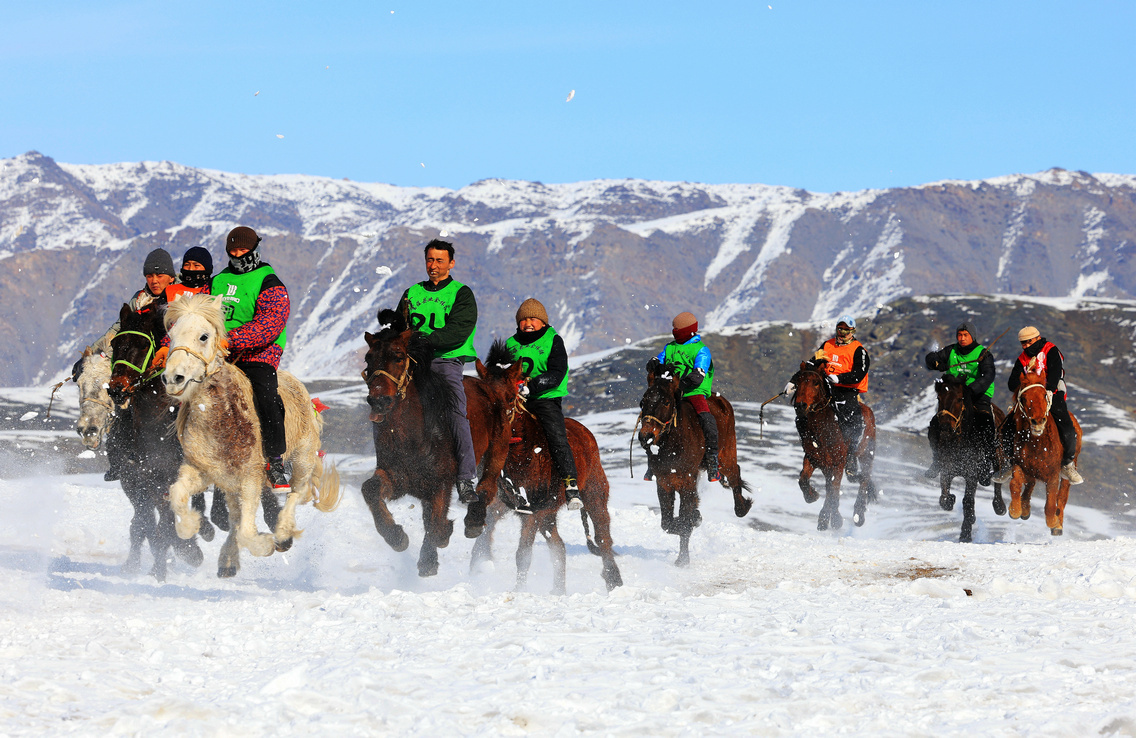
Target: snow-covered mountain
{"type": "Point", "coordinates": [613, 260]}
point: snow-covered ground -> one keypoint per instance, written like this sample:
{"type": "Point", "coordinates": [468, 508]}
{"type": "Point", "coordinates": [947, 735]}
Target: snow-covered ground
{"type": "Point", "coordinates": [775, 629]}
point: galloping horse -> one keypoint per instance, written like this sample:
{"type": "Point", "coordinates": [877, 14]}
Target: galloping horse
{"type": "Point", "coordinates": [135, 386]}
{"type": "Point", "coordinates": [672, 436]}
{"type": "Point", "coordinates": [221, 440]}
{"type": "Point", "coordinates": [960, 451]}
{"type": "Point", "coordinates": [1037, 453]}
{"type": "Point", "coordinates": [527, 467]}
{"type": "Point", "coordinates": [414, 448]}
{"type": "Point", "coordinates": [96, 413]}
{"type": "Point", "coordinates": [825, 448]}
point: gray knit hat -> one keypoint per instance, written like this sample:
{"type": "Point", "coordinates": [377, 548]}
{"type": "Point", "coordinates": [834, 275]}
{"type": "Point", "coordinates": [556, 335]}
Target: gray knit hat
{"type": "Point", "coordinates": [967, 326]}
{"type": "Point", "coordinates": [159, 261]}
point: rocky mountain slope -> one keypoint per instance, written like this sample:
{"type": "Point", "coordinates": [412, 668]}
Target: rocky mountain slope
{"type": "Point", "coordinates": [612, 260]}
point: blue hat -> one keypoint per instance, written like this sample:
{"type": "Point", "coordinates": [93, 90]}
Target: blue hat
{"type": "Point", "coordinates": [847, 320]}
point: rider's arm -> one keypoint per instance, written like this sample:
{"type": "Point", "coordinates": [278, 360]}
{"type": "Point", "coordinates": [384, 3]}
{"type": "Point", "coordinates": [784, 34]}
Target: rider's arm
{"type": "Point", "coordinates": [859, 370]}
{"type": "Point", "coordinates": [1054, 370]}
{"type": "Point", "coordinates": [937, 360]}
{"type": "Point", "coordinates": [557, 368]}
{"type": "Point", "coordinates": [268, 319]}
{"type": "Point", "coordinates": [460, 323]}
{"type": "Point", "coordinates": [1015, 377]}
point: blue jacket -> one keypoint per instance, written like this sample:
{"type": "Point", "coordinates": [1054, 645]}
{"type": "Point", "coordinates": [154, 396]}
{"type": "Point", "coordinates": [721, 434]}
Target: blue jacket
{"type": "Point", "coordinates": [701, 360]}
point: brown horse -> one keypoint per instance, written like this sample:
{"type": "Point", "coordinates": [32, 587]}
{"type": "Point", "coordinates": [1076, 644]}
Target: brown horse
{"type": "Point", "coordinates": [673, 439]}
{"type": "Point", "coordinates": [414, 446]}
{"type": "Point", "coordinates": [826, 449]}
{"type": "Point", "coordinates": [529, 469]}
{"type": "Point", "coordinates": [960, 451]}
{"type": "Point", "coordinates": [1037, 453]}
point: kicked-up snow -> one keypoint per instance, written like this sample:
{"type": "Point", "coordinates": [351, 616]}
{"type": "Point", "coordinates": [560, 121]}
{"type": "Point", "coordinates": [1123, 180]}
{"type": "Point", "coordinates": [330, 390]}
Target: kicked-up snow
{"type": "Point", "coordinates": [774, 629]}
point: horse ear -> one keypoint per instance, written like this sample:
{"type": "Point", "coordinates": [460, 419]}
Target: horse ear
{"type": "Point", "coordinates": [514, 372]}
{"type": "Point", "coordinates": [124, 313]}
{"type": "Point", "coordinates": [370, 338]}
{"type": "Point", "coordinates": [481, 370]}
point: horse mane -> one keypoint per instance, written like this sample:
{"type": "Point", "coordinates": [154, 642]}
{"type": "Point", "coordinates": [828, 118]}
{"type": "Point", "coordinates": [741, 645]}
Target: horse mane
{"type": "Point", "coordinates": [391, 324]}
{"type": "Point", "coordinates": [499, 359]}
{"type": "Point", "coordinates": [207, 306]}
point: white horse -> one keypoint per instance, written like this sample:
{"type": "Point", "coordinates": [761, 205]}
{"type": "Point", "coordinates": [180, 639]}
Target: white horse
{"type": "Point", "coordinates": [221, 440]}
{"type": "Point", "coordinates": [95, 409]}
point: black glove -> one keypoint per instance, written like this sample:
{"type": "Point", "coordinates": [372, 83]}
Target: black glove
{"type": "Point", "coordinates": [693, 378]}
{"type": "Point", "coordinates": [653, 365]}
{"type": "Point", "coordinates": [932, 361]}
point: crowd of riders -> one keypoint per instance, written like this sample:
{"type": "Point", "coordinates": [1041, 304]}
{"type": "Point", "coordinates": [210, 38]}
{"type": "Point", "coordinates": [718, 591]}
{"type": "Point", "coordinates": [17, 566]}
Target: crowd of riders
{"type": "Point", "coordinates": [255, 305]}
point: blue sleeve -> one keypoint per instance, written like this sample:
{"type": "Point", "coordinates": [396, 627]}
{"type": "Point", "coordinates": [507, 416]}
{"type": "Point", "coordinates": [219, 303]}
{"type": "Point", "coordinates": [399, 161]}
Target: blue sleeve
{"type": "Point", "coordinates": [662, 356]}
{"type": "Point", "coordinates": [702, 360]}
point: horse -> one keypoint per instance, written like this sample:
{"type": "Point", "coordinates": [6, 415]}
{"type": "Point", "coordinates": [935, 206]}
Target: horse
{"type": "Point", "coordinates": [96, 413]}
{"type": "Point", "coordinates": [1037, 453]}
{"type": "Point", "coordinates": [673, 439]}
{"type": "Point", "coordinates": [410, 414]}
{"type": "Point", "coordinates": [221, 438]}
{"type": "Point", "coordinates": [526, 467]}
{"type": "Point", "coordinates": [960, 451]}
{"type": "Point", "coordinates": [135, 387]}
{"type": "Point", "coordinates": [826, 449]}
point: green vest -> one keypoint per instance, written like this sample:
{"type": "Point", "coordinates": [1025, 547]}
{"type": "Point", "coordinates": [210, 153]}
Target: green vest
{"type": "Point", "coordinates": [682, 356]}
{"type": "Point", "coordinates": [238, 293]}
{"type": "Point", "coordinates": [534, 360]}
{"type": "Point", "coordinates": [428, 313]}
{"type": "Point", "coordinates": [968, 371]}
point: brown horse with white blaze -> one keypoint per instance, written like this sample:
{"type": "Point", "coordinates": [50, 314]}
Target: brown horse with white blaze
{"type": "Point", "coordinates": [826, 449]}
{"type": "Point", "coordinates": [1037, 453]}
{"type": "Point", "coordinates": [673, 439]}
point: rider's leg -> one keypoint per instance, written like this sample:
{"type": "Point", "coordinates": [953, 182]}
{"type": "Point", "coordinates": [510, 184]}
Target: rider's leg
{"type": "Point", "coordinates": [550, 414]}
{"type": "Point", "coordinates": [933, 441]}
{"type": "Point", "coordinates": [984, 427]}
{"type": "Point", "coordinates": [270, 412]}
{"type": "Point", "coordinates": [709, 432]}
{"type": "Point", "coordinates": [451, 371]}
{"type": "Point", "coordinates": [1060, 412]}
{"type": "Point", "coordinates": [1005, 436]}
{"type": "Point", "coordinates": [846, 401]}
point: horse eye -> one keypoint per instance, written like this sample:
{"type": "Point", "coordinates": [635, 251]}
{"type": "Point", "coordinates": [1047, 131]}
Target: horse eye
{"type": "Point", "coordinates": [204, 337]}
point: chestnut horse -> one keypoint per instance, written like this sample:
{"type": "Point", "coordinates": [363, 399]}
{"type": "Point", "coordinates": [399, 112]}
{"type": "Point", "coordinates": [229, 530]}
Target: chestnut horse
{"type": "Point", "coordinates": [528, 468]}
{"type": "Point", "coordinates": [960, 451]}
{"type": "Point", "coordinates": [826, 449]}
{"type": "Point", "coordinates": [1037, 453]}
{"type": "Point", "coordinates": [414, 446]}
{"type": "Point", "coordinates": [672, 437]}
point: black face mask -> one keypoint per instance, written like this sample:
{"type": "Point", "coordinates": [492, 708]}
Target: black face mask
{"type": "Point", "coordinates": [246, 263]}
{"type": "Point", "coordinates": [195, 279]}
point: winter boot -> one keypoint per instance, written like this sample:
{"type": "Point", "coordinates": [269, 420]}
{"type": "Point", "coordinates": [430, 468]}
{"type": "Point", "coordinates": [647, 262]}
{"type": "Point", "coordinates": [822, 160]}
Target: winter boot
{"type": "Point", "coordinates": [467, 491]}
{"type": "Point", "coordinates": [710, 431]}
{"type": "Point", "coordinates": [276, 477]}
{"type": "Point", "coordinates": [1069, 471]}
{"type": "Point", "coordinates": [572, 494]}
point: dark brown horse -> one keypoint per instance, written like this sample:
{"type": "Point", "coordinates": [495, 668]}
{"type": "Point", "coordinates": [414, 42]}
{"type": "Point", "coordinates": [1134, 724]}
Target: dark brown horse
{"type": "Point", "coordinates": [1037, 453]}
{"type": "Point", "coordinates": [414, 447]}
{"type": "Point", "coordinates": [961, 451]}
{"type": "Point", "coordinates": [826, 449]}
{"type": "Point", "coordinates": [673, 439]}
{"type": "Point", "coordinates": [529, 468]}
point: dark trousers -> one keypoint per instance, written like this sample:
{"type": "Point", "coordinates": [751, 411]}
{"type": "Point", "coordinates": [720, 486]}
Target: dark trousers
{"type": "Point", "coordinates": [269, 406]}
{"type": "Point", "coordinates": [550, 415]}
{"type": "Point", "coordinates": [846, 403]}
{"type": "Point", "coordinates": [451, 371]}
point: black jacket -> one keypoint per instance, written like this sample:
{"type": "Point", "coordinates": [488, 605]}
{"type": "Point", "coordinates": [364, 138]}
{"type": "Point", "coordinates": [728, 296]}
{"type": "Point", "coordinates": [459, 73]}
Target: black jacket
{"type": "Point", "coordinates": [1054, 367]}
{"type": "Point", "coordinates": [940, 361]}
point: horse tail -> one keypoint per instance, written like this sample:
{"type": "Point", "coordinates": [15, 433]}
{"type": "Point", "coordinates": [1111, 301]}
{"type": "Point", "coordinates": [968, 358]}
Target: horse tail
{"type": "Point", "coordinates": [326, 480]}
{"type": "Point", "coordinates": [588, 533]}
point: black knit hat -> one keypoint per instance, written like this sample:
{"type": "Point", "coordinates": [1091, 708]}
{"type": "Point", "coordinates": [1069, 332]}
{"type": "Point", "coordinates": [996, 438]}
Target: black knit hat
{"type": "Point", "coordinates": [201, 256]}
{"type": "Point", "coordinates": [159, 261]}
{"type": "Point", "coordinates": [241, 237]}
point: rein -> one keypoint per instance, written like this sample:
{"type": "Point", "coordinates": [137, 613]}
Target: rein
{"type": "Point", "coordinates": [201, 358]}
{"type": "Point", "coordinates": [631, 445]}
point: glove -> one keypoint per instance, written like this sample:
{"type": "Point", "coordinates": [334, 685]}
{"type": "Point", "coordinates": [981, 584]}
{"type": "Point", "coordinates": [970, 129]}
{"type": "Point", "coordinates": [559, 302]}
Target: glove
{"type": "Point", "coordinates": [930, 361]}
{"type": "Point", "coordinates": [691, 380]}
{"type": "Point", "coordinates": [790, 388]}
{"type": "Point", "coordinates": [160, 357]}
{"type": "Point", "coordinates": [142, 301]}
{"type": "Point", "coordinates": [831, 378]}
{"type": "Point", "coordinates": [523, 389]}
{"type": "Point", "coordinates": [652, 364]}
{"type": "Point", "coordinates": [820, 355]}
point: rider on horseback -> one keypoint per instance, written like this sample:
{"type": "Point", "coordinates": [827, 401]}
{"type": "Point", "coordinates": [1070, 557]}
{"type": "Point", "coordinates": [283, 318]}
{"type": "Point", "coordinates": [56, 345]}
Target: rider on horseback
{"type": "Point", "coordinates": [256, 306]}
{"type": "Point", "coordinates": [545, 362]}
{"type": "Point", "coordinates": [446, 312]}
{"type": "Point", "coordinates": [974, 365]}
{"type": "Point", "coordinates": [196, 274]}
{"type": "Point", "coordinates": [1041, 356]}
{"type": "Point", "coordinates": [845, 364]}
{"type": "Point", "coordinates": [691, 360]}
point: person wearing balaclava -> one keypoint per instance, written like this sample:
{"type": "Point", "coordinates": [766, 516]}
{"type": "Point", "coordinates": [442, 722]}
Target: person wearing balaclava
{"type": "Point", "coordinates": [695, 368]}
{"type": "Point", "coordinates": [969, 361]}
{"type": "Point", "coordinates": [256, 307]}
{"type": "Point", "coordinates": [196, 274]}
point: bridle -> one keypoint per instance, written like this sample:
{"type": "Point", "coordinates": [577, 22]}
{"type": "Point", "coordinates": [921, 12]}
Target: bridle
{"type": "Point", "coordinates": [956, 420]}
{"type": "Point", "coordinates": [1035, 428]}
{"type": "Point", "coordinates": [207, 362]}
{"type": "Point", "coordinates": [400, 382]}
{"type": "Point", "coordinates": [816, 407]}
{"type": "Point", "coordinates": [143, 376]}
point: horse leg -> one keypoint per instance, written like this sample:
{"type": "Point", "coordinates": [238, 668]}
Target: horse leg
{"type": "Point", "coordinates": [1027, 495]}
{"type": "Point", "coordinates": [807, 488]}
{"type": "Point", "coordinates": [284, 532]}
{"type": "Point", "coordinates": [596, 507]}
{"type": "Point", "coordinates": [689, 518]}
{"type": "Point", "coordinates": [524, 549]}
{"type": "Point", "coordinates": [189, 482]}
{"type": "Point", "coordinates": [207, 530]}
{"type": "Point", "coordinates": [137, 532]}
{"type": "Point", "coordinates": [376, 491]}
{"type": "Point", "coordinates": [830, 512]}
{"type": "Point", "coordinates": [229, 558]}
{"type": "Point", "coordinates": [1056, 494]}
{"type": "Point", "coordinates": [863, 496]}
{"type": "Point", "coordinates": [270, 508]}
{"type": "Point", "coordinates": [186, 549]}
{"type": "Point", "coordinates": [258, 544]}
{"type": "Point", "coordinates": [998, 502]}
{"type": "Point", "coordinates": [556, 550]}
{"type": "Point", "coordinates": [666, 507]}
{"type": "Point", "coordinates": [438, 529]}
{"type": "Point", "coordinates": [219, 512]}
{"type": "Point", "coordinates": [1062, 498]}
{"type": "Point", "coordinates": [483, 546]}
{"type": "Point", "coordinates": [966, 535]}
{"type": "Point", "coordinates": [946, 498]}
{"type": "Point", "coordinates": [1017, 481]}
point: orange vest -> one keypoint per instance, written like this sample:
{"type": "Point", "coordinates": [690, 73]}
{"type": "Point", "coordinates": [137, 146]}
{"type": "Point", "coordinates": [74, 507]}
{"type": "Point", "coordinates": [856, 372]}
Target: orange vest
{"type": "Point", "coordinates": [174, 291]}
{"type": "Point", "coordinates": [840, 361]}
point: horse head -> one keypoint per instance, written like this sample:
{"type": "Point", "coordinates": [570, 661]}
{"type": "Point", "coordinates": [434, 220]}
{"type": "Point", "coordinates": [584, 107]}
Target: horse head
{"type": "Point", "coordinates": [95, 410]}
{"type": "Point", "coordinates": [951, 392]}
{"type": "Point", "coordinates": [132, 353]}
{"type": "Point", "coordinates": [1033, 401]}
{"type": "Point", "coordinates": [502, 375]}
{"type": "Point", "coordinates": [197, 344]}
{"type": "Point", "coordinates": [812, 392]}
{"type": "Point", "coordinates": [659, 406]}
{"type": "Point", "coordinates": [396, 356]}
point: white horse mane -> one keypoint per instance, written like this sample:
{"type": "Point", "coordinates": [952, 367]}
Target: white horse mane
{"type": "Point", "coordinates": [206, 306]}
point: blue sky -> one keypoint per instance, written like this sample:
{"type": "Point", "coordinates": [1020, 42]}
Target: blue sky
{"type": "Point", "coordinates": [822, 95]}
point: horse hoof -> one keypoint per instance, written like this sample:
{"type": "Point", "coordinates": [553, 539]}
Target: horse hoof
{"type": "Point", "coordinates": [285, 545]}
{"type": "Point", "coordinates": [226, 572]}
{"type": "Point", "coordinates": [613, 579]}
{"type": "Point", "coordinates": [742, 506]}
{"type": "Point", "coordinates": [396, 539]}
{"type": "Point", "coordinates": [811, 495]}
{"type": "Point", "coordinates": [696, 519]}
{"type": "Point", "coordinates": [668, 526]}
{"type": "Point", "coordinates": [191, 555]}
{"type": "Point", "coordinates": [947, 502]}
{"type": "Point", "coordinates": [158, 574]}
{"type": "Point", "coordinates": [999, 506]}
{"type": "Point", "coordinates": [837, 522]}
{"type": "Point", "coordinates": [1025, 514]}
{"type": "Point", "coordinates": [822, 523]}
{"type": "Point", "coordinates": [859, 519]}
{"type": "Point", "coordinates": [682, 561]}
{"type": "Point", "coordinates": [1056, 531]}
{"type": "Point", "coordinates": [965, 538]}
{"type": "Point", "coordinates": [207, 531]}
{"type": "Point", "coordinates": [428, 571]}
{"type": "Point", "coordinates": [474, 531]}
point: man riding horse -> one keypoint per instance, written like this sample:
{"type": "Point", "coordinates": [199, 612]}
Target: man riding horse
{"type": "Point", "coordinates": [695, 368]}
{"type": "Point", "coordinates": [545, 364]}
{"type": "Point", "coordinates": [972, 363]}
{"type": "Point", "coordinates": [1042, 357]}
{"type": "Point", "coordinates": [845, 363]}
{"type": "Point", "coordinates": [445, 311]}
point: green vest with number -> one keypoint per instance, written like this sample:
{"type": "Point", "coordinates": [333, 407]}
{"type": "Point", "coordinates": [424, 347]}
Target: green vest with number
{"type": "Point", "coordinates": [965, 366]}
{"type": "Point", "coordinates": [682, 356]}
{"type": "Point", "coordinates": [428, 313]}
{"type": "Point", "coordinates": [238, 293]}
{"type": "Point", "coordinates": [534, 360]}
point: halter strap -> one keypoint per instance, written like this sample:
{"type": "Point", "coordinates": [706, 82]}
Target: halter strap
{"type": "Point", "coordinates": [400, 383]}
{"type": "Point", "coordinates": [203, 360]}
{"type": "Point", "coordinates": [145, 362]}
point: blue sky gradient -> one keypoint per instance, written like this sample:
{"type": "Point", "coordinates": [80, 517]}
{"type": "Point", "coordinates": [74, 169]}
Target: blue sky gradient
{"type": "Point", "coordinates": [821, 95]}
